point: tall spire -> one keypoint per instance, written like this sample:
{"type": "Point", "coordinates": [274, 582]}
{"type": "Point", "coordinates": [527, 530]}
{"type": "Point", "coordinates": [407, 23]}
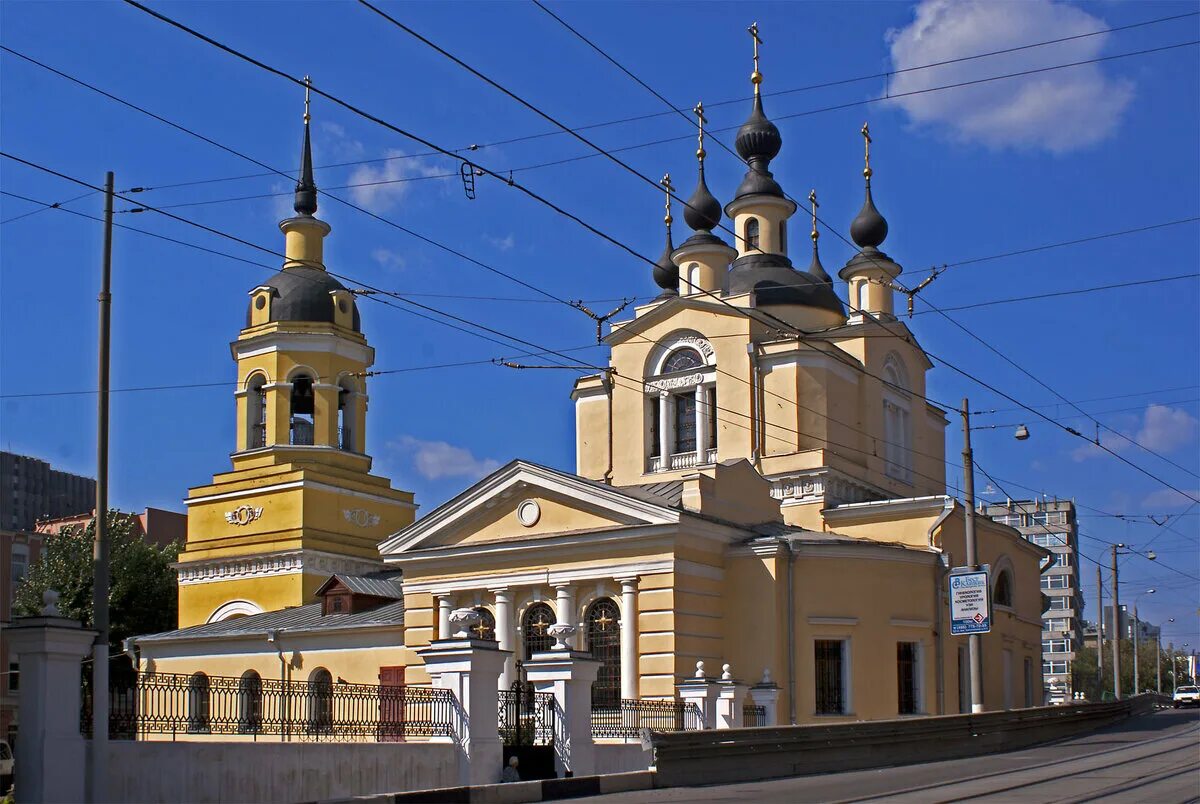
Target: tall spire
{"type": "Point", "coordinates": [666, 272]}
{"type": "Point", "coordinates": [869, 228]}
{"type": "Point", "coordinates": [306, 188]}
{"type": "Point", "coordinates": [758, 140]}
{"type": "Point", "coordinates": [703, 211]}
{"type": "Point", "coordinates": [815, 267]}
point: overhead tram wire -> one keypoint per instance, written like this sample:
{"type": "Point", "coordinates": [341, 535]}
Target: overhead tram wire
{"type": "Point", "coordinates": [830, 228]}
{"type": "Point", "coordinates": [534, 195]}
{"type": "Point", "coordinates": [44, 207]}
{"type": "Point", "coordinates": [716, 104]}
{"type": "Point", "coordinates": [1059, 293]}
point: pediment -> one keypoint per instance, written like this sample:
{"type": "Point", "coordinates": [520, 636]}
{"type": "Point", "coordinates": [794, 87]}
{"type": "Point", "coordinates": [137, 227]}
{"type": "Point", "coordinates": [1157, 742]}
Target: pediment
{"type": "Point", "coordinates": [524, 501]}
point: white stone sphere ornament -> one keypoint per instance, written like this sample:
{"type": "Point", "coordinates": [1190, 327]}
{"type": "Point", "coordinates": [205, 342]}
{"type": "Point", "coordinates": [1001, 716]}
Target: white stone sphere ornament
{"type": "Point", "coordinates": [561, 633]}
{"type": "Point", "coordinates": [700, 669]}
{"type": "Point", "coordinates": [462, 620]}
{"type": "Point", "coordinates": [726, 673]}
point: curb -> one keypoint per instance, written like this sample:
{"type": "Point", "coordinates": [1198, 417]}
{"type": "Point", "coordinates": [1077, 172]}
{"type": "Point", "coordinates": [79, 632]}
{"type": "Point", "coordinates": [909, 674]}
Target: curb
{"type": "Point", "coordinates": [515, 792]}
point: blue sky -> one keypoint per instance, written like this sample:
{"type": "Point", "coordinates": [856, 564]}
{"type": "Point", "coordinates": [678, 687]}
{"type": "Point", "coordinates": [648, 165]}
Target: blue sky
{"type": "Point", "coordinates": [960, 174]}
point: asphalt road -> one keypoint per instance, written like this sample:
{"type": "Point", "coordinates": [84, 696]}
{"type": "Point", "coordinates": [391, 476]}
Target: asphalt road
{"type": "Point", "coordinates": [1155, 758]}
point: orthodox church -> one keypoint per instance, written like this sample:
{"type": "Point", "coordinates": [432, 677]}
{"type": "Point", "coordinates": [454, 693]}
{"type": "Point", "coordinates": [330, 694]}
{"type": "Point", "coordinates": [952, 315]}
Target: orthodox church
{"type": "Point", "coordinates": [759, 482]}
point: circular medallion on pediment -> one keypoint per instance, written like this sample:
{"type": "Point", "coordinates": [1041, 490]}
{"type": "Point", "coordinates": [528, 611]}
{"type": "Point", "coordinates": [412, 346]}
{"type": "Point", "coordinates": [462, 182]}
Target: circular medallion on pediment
{"type": "Point", "coordinates": [529, 512]}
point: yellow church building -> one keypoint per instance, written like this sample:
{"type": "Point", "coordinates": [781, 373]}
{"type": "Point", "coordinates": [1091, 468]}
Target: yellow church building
{"type": "Point", "coordinates": [759, 483]}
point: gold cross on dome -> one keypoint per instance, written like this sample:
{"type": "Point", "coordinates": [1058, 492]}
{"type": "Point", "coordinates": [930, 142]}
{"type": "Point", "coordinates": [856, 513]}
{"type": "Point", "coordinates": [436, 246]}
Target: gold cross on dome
{"type": "Point", "coordinates": [670, 188]}
{"type": "Point", "coordinates": [603, 620]}
{"type": "Point", "coordinates": [866, 132]}
{"type": "Point", "coordinates": [481, 629]}
{"type": "Point", "coordinates": [698, 109]}
{"type": "Point", "coordinates": [812, 198]}
{"type": "Point", "coordinates": [307, 90]}
{"type": "Point", "coordinates": [756, 76]}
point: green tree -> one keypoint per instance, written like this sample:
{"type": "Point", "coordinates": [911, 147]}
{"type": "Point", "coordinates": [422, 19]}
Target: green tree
{"type": "Point", "coordinates": [142, 595]}
{"type": "Point", "coordinates": [1084, 669]}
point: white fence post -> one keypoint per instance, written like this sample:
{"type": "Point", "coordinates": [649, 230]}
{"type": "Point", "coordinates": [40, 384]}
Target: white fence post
{"type": "Point", "coordinates": [731, 697]}
{"type": "Point", "coordinates": [701, 691]}
{"type": "Point", "coordinates": [470, 669]}
{"type": "Point", "coordinates": [568, 675]}
{"type": "Point", "coordinates": [766, 694]}
{"type": "Point", "coordinates": [50, 751]}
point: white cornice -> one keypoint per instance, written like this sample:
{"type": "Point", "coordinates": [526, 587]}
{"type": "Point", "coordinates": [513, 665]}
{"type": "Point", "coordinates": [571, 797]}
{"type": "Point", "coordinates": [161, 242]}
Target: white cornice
{"type": "Point", "coordinates": [472, 554]}
{"type": "Point", "coordinates": [549, 577]}
{"type": "Point", "coordinates": [867, 550]}
{"type": "Point", "coordinates": [881, 510]}
{"type": "Point", "coordinates": [296, 484]}
{"type": "Point", "coordinates": [321, 342]}
{"type": "Point", "coordinates": [266, 565]}
{"type": "Point", "coordinates": [501, 484]}
{"type": "Point", "coordinates": [833, 621]}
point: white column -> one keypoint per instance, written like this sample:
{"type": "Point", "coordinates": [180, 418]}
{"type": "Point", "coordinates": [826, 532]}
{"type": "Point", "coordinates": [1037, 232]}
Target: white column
{"type": "Point", "coordinates": [665, 431]}
{"type": "Point", "coordinates": [766, 694]}
{"type": "Point", "coordinates": [444, 607]}
{"type": "Point", "coordinates": [629, 638]}
{"type": "Point", "coordinates": [564, 604]}
{"type": "Point", "coordinates": [506, 635]}
{"type": "Point", "coordinates": [701, 692]}
{"type": "Point", "coordinates": [701, 424]}
{"type": "Point", "coordinates": [50, 752]}
{"type": "Point", "coordinates": [731, 697]}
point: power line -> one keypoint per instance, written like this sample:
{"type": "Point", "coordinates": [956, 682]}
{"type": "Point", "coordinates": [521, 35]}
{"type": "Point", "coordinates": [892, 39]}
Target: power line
{"type": "Point", "coordinates": [1059, 293]}
{"type": "Point", "coordinates": [45, 207]}
{"type": "Point", "coordinates": [1093, 399]}
{"type": "Point", "coordinates": [713, 105]}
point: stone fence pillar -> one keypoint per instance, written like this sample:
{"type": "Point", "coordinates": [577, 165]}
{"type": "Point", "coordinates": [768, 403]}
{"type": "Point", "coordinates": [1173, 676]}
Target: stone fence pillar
{"type": "Point", "coordinates": [701, 691]}
{"type": "Point", "coordinates": [50, 751]}
{"type": "Point", "coordinates": [470, 669]}
{"type": "Point", "coordinates": [568, 675]}
{"type": "Point", "coordinates": [766, 694]}
{"type": "Point", "coordinates": [731, 697]}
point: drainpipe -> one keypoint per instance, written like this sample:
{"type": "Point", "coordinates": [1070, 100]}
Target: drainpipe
{"type": "Point", "coordinates": [939, 577]}
{"type": "Point", "coordinates": [608, 387]}
{"type": "Point", "coordinates": [286, 703]}
{"type": "Point", "coordinates": [791, 635]}
{"type": "Point", "coordinates": [751, 350]}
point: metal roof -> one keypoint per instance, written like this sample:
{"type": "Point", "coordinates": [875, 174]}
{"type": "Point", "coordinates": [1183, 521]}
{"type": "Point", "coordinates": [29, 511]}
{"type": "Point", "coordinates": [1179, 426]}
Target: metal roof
{"type": "Point", "coordinates": [377, 584]}
{"type": "Point", "coordinates": [290, 620]}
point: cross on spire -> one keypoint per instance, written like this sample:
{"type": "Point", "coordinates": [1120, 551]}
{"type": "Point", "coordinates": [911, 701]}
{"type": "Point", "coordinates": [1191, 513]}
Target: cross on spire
{"type": "Point", "coordinates": [307, 90]}
{"type": "Point", "coordinates": [866, 132]}
{"type": "Point", "coordinates": [669, 188]}
{"type": "Point", "coordinates": [756, 76]}
{"type": "Point", "coordinates": [812, 199]}
{"type": "Point", "coordinates": [701, 120]}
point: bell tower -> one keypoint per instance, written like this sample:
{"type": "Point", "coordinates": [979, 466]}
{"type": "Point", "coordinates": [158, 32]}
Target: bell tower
{"type": "Point", "coordinates": [301, 502]}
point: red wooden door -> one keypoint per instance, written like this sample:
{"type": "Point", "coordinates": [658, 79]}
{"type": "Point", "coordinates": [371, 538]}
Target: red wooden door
{"type": "Point", "coordinates": [391, 704]}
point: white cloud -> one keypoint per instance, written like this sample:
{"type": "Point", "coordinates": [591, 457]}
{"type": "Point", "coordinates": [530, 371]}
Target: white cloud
{"type": "Point", "coordinates": [438, 459]}
{"type": "Point", "coordinates": [386, 184]}
{"type": "Point", "coordinates": [1059, 111]}
{"type": "Point", "coordinates": [505, 243]}
{"type": "Point", "coordinates": [343, 147]}
{"type": "Point", "coordinates": [1168, 498]}
{"type": "Point", "coordinates": [389, 259]}
{"type": "Point", "coordinates": [282, 200]}
{"type": "Point", "coordinates": [1162, 429]}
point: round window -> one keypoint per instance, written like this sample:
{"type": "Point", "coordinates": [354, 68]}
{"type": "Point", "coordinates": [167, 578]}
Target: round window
{"type": "Point", "coordinates": [342, 305]}
{"type": "Point", "coordinates": [528, 513]}
{"type": "Point", "coordinates": [260, 302]}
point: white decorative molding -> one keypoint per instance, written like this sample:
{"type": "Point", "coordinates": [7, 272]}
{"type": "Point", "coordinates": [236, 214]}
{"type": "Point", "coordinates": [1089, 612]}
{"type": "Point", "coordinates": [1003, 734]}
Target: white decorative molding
{"type": "Point", "coordinates": [529, 512]}
{"type": "Point", "coordinates": [234, 608]}
{"type": "Point", "coordinates": [271, 564]}
{"type": "Point", "coordinates": [902, 622]}
{"type": "Point", "coordinates": [823, 485]}
{"type": "Point", "coordinates": [360, 517]}
{"type": "Point", "coordinates": [243, 515]}
{"type": "Point", "coordinates": [299, 484]}
{"type": "Point", "coordinates": [668, 383]}
{"type": "Point", "coordinates": [833, 621]}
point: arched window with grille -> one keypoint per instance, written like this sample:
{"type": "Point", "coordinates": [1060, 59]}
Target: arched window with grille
{"type": "Point", "coordinates": [604, 643]}
{"type": "Point", "coordinates": [303, 408]}
{"type": "Point", "coordinates": [535, 627]}
{"type": "Point", "coordinates": [250, 703]}
{"type": "Point", "coordinates": [199, 703]}
{"type": "Point", "coordinates": [752, 234]}
{"type": "Point", "coordinates": [682, 425]}
{"type": "Point", "coordinates": [320, 701]}
{"type": "Point", "coordinates": [256, 412]}
{"type": "Point", "coordinates": [1003, 592]}
{"type": "Point", "coordinates": [486, 627]}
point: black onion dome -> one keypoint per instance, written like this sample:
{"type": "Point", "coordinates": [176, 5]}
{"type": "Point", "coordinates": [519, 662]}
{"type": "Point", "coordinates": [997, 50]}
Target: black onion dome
{"type": "Point", "coordinates": [302, 294]}
{"type": "Point", "coordinates": [666, 272]}
{"type": "Point", "coordinates": [817, 269]}
{"type": "Point", "coordinates": [306, 188]}
{"type": "Point", "coordinates": [703, 210]}
{"type": "Point", "coordinates": [758, 138]}
{"type": "Point", "coordinates": [774, 281]}
{"type": "Point", "coordinates": [869, 229]}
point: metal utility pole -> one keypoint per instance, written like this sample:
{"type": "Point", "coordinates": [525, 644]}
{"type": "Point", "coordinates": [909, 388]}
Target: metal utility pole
{"type": "Point", "coordinates": [1137, 643]}
{"type": "Point", "coordinates": [1116, 634]}
{"type": "Point", "coordinates": [969, 532]}
{"type": "Point", "coordinates": [1158, 661]}
{"type": "Point", "coordinates": [100, 548]}
{"type": "Point", "coordinates": [1100, 632]}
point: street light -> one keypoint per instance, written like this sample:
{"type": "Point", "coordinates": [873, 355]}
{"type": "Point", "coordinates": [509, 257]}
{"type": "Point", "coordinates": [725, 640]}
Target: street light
{"type": "Point", "coordinates": [1137, 638]}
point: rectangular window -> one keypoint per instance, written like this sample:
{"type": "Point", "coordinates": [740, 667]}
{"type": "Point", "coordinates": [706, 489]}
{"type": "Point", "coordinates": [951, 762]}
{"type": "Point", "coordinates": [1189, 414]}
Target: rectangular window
{"type": "Point", "coordinates": [830, 664]}
{"type": "Point", "coordinates": [1028, 682]}
{"type": "Point", "coordinates": [908, 677]}
{"type": "Point", "coordinates": [685, 423]}
{"type": "Point", "coordinates": [655, 402]}
{"type": "Point", "coordinates": [1056, 624]}
{"type": "Point", "coordinates": [1056, 646]}
{"type": "Point", "coordinates": [1060, 603]}
{"type": "Point", "coordinates": [1053, 668]}
{"type": "Point", "coordinates": [1049, 539]}
{"type": "Point", "coordinates": [1014, 520]}
{"type": "Point", "coordinates": [1062, 559]}
{"type": "Point", "coordinates": [1055, 581]}
{"type": "Point", "coordinates": [14, 676]}
{"type": "Point", "coordinates": [711, 396]}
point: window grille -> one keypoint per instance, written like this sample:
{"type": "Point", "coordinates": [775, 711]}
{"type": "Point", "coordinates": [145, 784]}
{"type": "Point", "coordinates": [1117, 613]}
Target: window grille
{"type": "Point", "coordinates": [752, 234]}
{"type": "Point", "coordinates": [907, 677]}
{"type": "Point", "coordinates": [604, 643]}
{"type": "Point", "coordinates": [829, 659]}
{"type": "Point", "coordinates": [685, 423]}
{"type": "Point", "coordinates": [535, 627]}
{"type": "Point", "coordinates": [682, 360]}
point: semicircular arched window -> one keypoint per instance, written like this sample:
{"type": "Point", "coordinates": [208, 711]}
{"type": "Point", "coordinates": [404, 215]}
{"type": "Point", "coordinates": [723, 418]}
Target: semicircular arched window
{"type": "Point", "coordinates": [535, 627]}
{"type": "Point", "coordinates": [752, 234]}
{"type": "Point", "coordinates": [682, 360]}
{"type": "Point", "coordinates": [1003, 594]}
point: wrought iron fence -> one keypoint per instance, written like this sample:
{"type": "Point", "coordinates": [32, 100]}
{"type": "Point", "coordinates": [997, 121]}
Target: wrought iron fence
{"type": "Point", "coordinates": [631, 716]}
{"type": "Point", "coordinates": [182, 705]}
{"type": "Point", "coordinates": [754, 715]}
{"type": "Point", "coordinates": [526, 717]}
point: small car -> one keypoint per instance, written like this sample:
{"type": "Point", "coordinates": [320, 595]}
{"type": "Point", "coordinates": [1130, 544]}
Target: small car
{"type": "Point", "coordinates": [1186, 696]}
{"type": "Point", "coordinates": [6, 767]}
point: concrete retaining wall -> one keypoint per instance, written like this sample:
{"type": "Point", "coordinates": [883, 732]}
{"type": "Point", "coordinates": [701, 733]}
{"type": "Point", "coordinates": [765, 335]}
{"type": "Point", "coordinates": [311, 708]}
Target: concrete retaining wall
{"type": "Point", "coordinates": [267, 773]}
{"type": "Point", "coordinates": [712, 757]}
{"type": "Point", "coordinates": [621, 757]}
